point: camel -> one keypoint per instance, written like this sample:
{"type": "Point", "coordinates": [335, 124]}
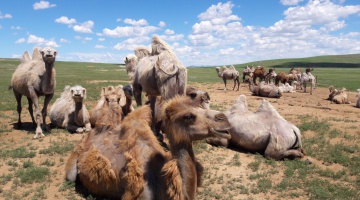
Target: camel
{"type": "Point", "coordinates": [33, 78]}
{"type": "Point", "coordinates": [295, 72]}
{"type": "Point", "coordinates": [307, 77]}
{"type": "Point", "coordinates": [259, 72]}
{"type": "Point", "coordinates": [132, 60]}
{"type": "Point", "coordinates": [69, 110]}
{"type": "Point", "coordinates": [281, 77]}
{"type": "Point", "coordinates": [358, 101]}
{"type": "Point", "coordinates": [247, 71]}
{"type": "Point", "coordinates": [287, 88]}
{"type": "Point", "coordinates": [265, 90]}
{"type": "Point", "coordinates": [160, 74]}
{"type": "Point", "coordinates": [271, 75]}
{"type": "Point", "coordinates": [127, 108]}
{"type": "Point", "coordinates": [264, 131]}
{"type": "Point", "coordinates": [338, 96]}
{"type": "Point", "coordinates": [229, 74]}
{"type": "Point", "coordinates": [106, 92]}
{"type": "Point", "coordinates": [127, 162]}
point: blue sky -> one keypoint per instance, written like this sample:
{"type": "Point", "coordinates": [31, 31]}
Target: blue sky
{"type": "Point", "coordinates": [200, 32]}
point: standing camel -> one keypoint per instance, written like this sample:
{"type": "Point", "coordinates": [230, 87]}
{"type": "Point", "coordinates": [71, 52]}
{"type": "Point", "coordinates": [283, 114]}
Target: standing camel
{"type": "Point", "coordinates": [34, 78]}
{"type": "Point", "coordinates": [248, 72]}
{"type": "Point", "coordinates": [126, 162]}
{"type": "Point", "coordinates": [259, 72]}
{"type": "Point", "coordinates": [229, 74]}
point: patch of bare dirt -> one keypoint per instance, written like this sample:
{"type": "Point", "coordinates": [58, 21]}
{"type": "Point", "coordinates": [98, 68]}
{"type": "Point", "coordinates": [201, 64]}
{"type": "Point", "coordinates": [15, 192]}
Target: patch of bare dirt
{"type": "Point", "coordinates": [216, 161]}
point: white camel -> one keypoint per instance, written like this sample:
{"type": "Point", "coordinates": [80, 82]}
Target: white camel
{"type": "Point", "coordinates": [34, 78]}
{"type": "Point", "coordinates": [69, 110]}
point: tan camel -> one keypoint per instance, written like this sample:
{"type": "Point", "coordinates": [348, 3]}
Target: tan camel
{"type": "Point", "coordinates": [160, 74]}
{"type": "Point", "coordinates": [264, 131]}
{"type": "Point", "coordinates": [229, 74]}
{"type": "Point", "coordinates": [248, 71]}
{"type": "Point", "coordinates": [34, 78]}
{"type": "Point", "coordinates": [338, 96]}
{"type": "Point", "coordinates": [307, 77]}
{"type": "Point", "coordinates": [259, 72]}
{"type": "Point", "coordinates": [69, 110]}
{"type": "Point", "coordinates": [106, 92]}
{"type": "Point", "coordinates": [128, 162]}
{"type": "Point", "coordinates": [265, 90]}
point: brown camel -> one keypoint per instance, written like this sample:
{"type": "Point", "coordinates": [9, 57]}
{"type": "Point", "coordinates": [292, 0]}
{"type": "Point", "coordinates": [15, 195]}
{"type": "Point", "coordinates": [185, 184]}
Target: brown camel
{"type": "Point", "coordinates": [96, 110]}
{"type": "Point", "coordinates": [127, 161]}
{"type": "Point", "coordinates": [229, 74]}
{"type": "Point", "coordinates": [281, 77]}
{"type": "Point", "coordinates": [259, 72]}
{"type": "Point", "coordinates": [34, 78]}
{"type": "Point", "coordinates": [69, 110]}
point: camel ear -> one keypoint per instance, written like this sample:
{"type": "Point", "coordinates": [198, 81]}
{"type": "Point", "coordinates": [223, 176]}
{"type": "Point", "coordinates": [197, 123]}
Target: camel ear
{"type": "Point", "coordinates": [103, 90]}
{"type": "Point", "coordinates": [126, 59]}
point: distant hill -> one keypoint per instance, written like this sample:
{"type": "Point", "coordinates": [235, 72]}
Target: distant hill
{"type": "Point", "coordinates": [336, 61]}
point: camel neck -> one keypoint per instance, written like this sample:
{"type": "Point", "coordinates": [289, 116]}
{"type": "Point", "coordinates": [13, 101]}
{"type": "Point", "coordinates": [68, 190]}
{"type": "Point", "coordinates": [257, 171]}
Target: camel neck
{"type": "Point", "coordinates": [79, 113]}
{"type": "Point", "coordinates": [186, 163]}
{"type": "Point", "coordinates": [49, 78]}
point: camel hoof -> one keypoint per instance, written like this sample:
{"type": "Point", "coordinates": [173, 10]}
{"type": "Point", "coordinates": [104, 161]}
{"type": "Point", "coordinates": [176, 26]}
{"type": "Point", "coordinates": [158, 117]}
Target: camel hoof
{"type": "Point", "coordinates": [36, 136]}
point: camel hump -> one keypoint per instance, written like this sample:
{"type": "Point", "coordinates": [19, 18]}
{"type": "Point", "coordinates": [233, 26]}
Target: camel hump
{"type": "Point", "coordinates": [37, 54]}
{"type": "Point", "coordinates": [232, 67]}
{"type": "Point", "coordinates": [142, 52]}
{"type": "Point", "coordinates": [267, 107]}
{"type": "Point", "coordinates": [25, 57]}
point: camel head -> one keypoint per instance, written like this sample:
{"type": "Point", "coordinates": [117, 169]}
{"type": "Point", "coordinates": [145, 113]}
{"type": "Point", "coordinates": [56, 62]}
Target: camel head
{"type": "Point", "coordinates": [130, 63]}
{"type": "Point", "coordinates": [128, 90]}
{"type": "Point", "coordinates": [48, 55]}
{"type": "Point", "coordinates": [219, 71]}
{"type": "Point", "coordinates": [114, 96]}
{"type": "Point", "coordinates": [199, 96]}
{"type": "Point", "coordinates": [78, 93]}
{"type": "Point", "coordinates": [184, 122]}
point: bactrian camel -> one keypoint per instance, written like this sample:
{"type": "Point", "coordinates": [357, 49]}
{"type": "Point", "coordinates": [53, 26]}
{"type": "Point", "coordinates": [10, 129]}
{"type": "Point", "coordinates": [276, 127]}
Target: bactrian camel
{"type": "Point", "coordinates": [69, 110]}
{"type": "Point", "coordinates": [265, 90]}
{"type": "Point", "coordinates": [132, 60]}
{"type": "Point", "coordinates": [229, 74]}
{"type": "Point", "coordinates": [128, 162]}
{"type": "Point", "coordinates": [264, 131]}
{"type": "Point", "coordinates": [160, 74]}
{"type": "Point", "coordinates": [33, 78]}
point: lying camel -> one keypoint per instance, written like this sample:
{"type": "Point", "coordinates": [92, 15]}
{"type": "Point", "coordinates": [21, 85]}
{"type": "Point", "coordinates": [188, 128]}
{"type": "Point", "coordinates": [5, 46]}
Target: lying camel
{"type": "Point", "coordinates": [287, 88]}
{"type": "Point", "coordinates": [69, 110]}
{"type": "Point", "coordinates": [229, 74]}
{"type": "Point", "coordinates": [338, 96]}
{"type": "Point", "coordinates": [127, 161]}
{"type": "Point", "coordinates": [265, 90]}
{"type": "Point", "coordinates": [264, 131]}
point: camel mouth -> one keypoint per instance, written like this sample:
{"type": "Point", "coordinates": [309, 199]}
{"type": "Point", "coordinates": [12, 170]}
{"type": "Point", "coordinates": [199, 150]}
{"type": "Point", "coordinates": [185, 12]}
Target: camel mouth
{"type": "Point", "coordinates": [49, 56]}
{"type": "Point", "coordinates": [221, 133]}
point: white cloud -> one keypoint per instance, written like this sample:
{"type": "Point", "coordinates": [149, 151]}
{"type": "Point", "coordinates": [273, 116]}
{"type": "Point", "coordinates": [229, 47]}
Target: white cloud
{"type": "Point", "coordinates": [0, 27]}
{"type": "Point", "coordinates": [65, 20]}
{"type": "Point", "coordinates": [132, 43]}
{"type": "Point", "coordinates": [128, 31]}
{"type": "Point", "coordinates": [6, 16]}
{"type": "Point", "coordinates": [118, 19]}
{"type": "Point", "coordinates": [162, 24]}
{"type": "Point", "coordinates": [219, 14]}
{"type": "Point", "coordinates": [101, 39]}
{"type": "Point", "coordinates": [169, 32]}
{"type": "Point", "coordinates": [16, 27]}
{"type": "Point", "coordinates": [19, 41]}
{"type": "Point", "coordinates": [141, 22]}
{"type": "Point", "coordinates": [100, 47]}
{"type": "Point", "coordinates": [172, 37]}
{"type": "Point", "coordinates": [88, 39]}
{"type": "Point", "coordinates": [39, 41]}
{"type": "Point", "coordinates": [227, 51]}
{"type": "Point", "coordinates": [290, 2]}
{"type": "Point", "coordinates": [62, 40]}
{"type": "Point", "coordinates": [43, 5]}
{"type": "Point", "coordinates": [84, 27]}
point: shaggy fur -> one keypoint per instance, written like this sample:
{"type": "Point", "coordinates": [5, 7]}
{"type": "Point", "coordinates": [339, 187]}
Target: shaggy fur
{"type": "Point", "coordinates": [264, 131]}
{"type": "Point", "coordinates": [229, 74]}
{"type": "Point", "coordinates": [265, 90]}
{"type": "Point", "coordinates": [69, 110]}
{"type": "Point", "coordinates": [34, 78]}
{"type": "Point", "coordinates": [128, 162]}
{"type": "Point", "coordinates": [338, 96]}
{"type": "Point", "coordinates": [132, 60]}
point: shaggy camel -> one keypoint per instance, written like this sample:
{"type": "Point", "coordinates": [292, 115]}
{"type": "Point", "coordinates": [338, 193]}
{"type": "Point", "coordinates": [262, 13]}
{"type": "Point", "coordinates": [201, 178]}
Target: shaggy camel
{"type": "Point", "coordinates": [247, 71]}
{"type": "Point", "coordinates": [69, 110]}
{"type": "Point", "coordinates": [106, 92]}
{"type": "Point", "coordinates": [259, 72]}
{"type": "Point", "coordinates": [229, 74]}
{"type": "Point", "coordinates": [264, 131]}
{"type": "Point", "coordinates": [132, 60]}
{"type": "Point", "coordinates": [34, 78]}
{"type": "Point", "coordinates": [265, 90]}
{"type": "Point", "coordinates": [358, 101]}
{"type": "Point", "coordinates": [160, 74]}
{"type": "Point", "coordinates": [127, 161]}
{"type": "Point", "coordinates": [338, 96]}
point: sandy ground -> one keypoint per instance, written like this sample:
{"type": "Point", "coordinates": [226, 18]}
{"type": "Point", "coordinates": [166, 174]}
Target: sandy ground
{"type": "Point", "coordinates": [290, 106]}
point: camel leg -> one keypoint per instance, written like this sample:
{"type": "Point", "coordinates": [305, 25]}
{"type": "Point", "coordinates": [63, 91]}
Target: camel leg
{"type": "Point", "coordinates": [293, 153]}
{"type": "Point", "coordinates": [153, 123]}
{"type": "Point", "coordinates": [75, 129]}
{"type": "Point", "coordinates": [19, 108]}
{"type": "Point", "coordinates": [35, 100]}
{"type": "Point", "coordinates": [47, 100]}
{"type": "Point", "coordinates": [224, 79]}
{"type": "Point", "coordinates": [238, 83]}
{"type": "Point", "coordinates": [234, 83]}
{"type": "Point", "coordinates": [71, 167]}
{"type": "Point", "coordinates": [217, 141]}
{"type": "Point", "coordinates": [31, 111]}
{"type": "Point", "coordinates": [137, 94]}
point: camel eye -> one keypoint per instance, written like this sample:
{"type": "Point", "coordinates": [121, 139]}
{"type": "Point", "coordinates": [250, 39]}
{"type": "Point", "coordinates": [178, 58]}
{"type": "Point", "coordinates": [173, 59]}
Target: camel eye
{"type": "Point", "coordinates": [189, 117]}
{"type": "Point", "coordinates": [107, 99]}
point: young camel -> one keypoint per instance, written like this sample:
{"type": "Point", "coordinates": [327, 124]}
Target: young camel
{"type": "Point", "coordinates": [128, 162]}
{"type": "Point", "coordinates": [264, 131]}
{"type": "Point", "coordinates": [69, 110]}
{"type": "Point", "coordinates": [229, 74]}
{"type": "Point", "coordinates": [34, 78]}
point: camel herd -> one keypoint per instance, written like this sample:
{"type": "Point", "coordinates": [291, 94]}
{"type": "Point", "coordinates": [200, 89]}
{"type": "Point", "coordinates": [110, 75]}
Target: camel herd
{"type": "Point", "coordinates": [147, 152]}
